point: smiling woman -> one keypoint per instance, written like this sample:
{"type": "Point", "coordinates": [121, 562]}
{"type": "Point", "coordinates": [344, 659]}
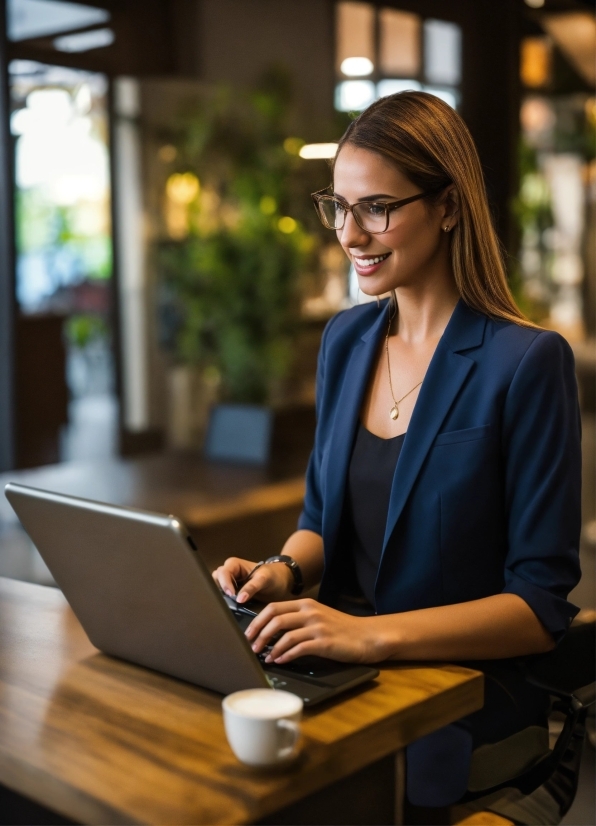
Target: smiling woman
{"type": "Point", "coordinates": [441, 517]}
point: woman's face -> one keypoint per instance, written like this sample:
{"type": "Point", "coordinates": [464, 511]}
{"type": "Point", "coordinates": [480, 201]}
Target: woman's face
{"type": "Point", "coordinates": [413, 248]}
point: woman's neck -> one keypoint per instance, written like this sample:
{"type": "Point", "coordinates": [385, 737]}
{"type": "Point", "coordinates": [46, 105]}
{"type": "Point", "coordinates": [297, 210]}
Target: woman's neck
{"type": "Point", "coordinates": [423, 314]}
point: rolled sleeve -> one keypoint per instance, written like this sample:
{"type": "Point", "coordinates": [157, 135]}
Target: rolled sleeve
{"type": "Point", "coordinates": [542, 450]}
{"type": "Point", "coordinates": [311, 517]}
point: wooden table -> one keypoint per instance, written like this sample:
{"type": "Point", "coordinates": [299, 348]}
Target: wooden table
{"type": "Point", "coordinates": [102, 741]}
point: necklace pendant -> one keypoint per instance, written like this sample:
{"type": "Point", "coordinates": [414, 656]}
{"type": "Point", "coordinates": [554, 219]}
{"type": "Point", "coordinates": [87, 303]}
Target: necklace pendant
{"type": "Point", "coordinates": [394, 412]}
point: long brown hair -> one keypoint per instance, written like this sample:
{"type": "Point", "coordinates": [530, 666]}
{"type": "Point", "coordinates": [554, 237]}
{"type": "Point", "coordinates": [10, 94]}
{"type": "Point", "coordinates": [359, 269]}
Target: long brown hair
{"type": "Point", "coordinates": [431, 145]}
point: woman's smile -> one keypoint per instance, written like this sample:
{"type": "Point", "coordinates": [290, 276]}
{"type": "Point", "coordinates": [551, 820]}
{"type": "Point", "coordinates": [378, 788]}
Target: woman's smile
{"type": "Point", "coordinates": [369, 264]}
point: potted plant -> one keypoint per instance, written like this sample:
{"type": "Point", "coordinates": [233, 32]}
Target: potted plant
{"type": "Point", "coordinates": [231, 281]}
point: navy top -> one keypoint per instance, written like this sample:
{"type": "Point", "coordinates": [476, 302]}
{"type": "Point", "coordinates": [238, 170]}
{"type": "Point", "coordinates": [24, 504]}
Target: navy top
{"type": "Point", "coordinates": [369, 486]}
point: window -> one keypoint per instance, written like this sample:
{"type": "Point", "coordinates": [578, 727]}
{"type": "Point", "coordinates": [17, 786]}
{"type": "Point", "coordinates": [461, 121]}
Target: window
{"type": "Point", "coordinates": [77, 24]}
{"type": "Point", "coordinates": [381, 51]}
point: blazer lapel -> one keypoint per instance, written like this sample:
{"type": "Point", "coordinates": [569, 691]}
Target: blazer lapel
{"type": "Point", "coordinates": [446, 373]}
{"type": "Point", "coordinates": [348, 407]}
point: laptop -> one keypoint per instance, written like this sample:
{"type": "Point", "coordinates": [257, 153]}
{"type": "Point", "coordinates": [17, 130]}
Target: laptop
{"type": "Point", "coordinates": [141, 591]}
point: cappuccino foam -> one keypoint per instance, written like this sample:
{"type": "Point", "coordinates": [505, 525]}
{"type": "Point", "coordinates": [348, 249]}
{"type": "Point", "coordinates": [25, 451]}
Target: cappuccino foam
{"type": "Point", "coordinates": [263, 703]}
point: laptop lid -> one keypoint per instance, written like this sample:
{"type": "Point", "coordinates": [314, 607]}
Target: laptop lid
{"type": "Point", "coordinates": [139, 588]}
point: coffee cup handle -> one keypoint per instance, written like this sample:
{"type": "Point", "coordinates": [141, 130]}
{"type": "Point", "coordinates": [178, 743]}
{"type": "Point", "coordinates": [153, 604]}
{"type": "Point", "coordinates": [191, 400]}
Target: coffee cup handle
{"type": "Point", "coordinates": [293, 730]}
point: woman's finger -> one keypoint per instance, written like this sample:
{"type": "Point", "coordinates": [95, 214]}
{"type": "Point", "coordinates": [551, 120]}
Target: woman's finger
{"type": "Point", "coordinates": [225, 581]}
{"type": "Point", "coordinates": [252, 587]}
{"type": "Point", "coordinates": [288, 641]}
{"type": "Point", "coordinates": [278, 625]}
{"type": "Point", "coordinates": [255, 584]}
{"type": "Point", "coordinates": [303, 649]}
{"type": "Point", "coordinates": [265, 616]}
{"type": "Point", "coordinates": [228, 574]}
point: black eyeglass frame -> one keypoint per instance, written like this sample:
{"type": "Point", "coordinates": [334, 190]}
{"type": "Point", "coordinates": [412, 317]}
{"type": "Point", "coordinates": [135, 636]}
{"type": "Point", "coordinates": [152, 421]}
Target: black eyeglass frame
{"type": "Point", "coordinates": [388, 206]}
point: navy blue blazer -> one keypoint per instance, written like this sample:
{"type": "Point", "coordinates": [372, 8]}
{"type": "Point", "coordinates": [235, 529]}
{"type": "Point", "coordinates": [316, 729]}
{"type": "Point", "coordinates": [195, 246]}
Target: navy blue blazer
{"type": "Point", "coordinates": [486, 493]}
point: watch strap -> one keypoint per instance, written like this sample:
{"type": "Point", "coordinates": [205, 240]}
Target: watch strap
{"type": "Point", "coordinates": [298, 584]}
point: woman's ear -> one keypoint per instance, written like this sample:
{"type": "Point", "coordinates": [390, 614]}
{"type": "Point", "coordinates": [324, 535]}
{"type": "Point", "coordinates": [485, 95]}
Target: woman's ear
{"type": "Point", "coordinates": [450, 207]}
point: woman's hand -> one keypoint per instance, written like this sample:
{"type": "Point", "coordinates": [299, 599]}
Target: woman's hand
{"type": "Point", "coordinates": [270, 582]}
{"type": "Point", "coordinates": [307, 627]}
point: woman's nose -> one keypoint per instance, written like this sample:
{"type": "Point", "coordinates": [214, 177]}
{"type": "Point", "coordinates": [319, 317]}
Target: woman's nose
{"type": "Point", "coordinates": [351, 235]}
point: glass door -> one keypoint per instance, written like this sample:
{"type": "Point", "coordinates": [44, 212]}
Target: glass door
{"type": "Point", "coordinates": [60, 126]}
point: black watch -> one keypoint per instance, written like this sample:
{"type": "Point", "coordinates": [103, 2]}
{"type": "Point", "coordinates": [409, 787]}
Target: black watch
{"type": "Point", "coordinates": [294, 568]}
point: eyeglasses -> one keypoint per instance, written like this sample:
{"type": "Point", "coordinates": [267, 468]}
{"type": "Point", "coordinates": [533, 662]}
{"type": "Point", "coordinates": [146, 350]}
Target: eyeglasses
{"type": "Point", "coordinates": [371, 216]}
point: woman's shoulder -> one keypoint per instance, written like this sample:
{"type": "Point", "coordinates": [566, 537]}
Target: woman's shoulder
{"type": "Point", "coordinates": [353, 322]}
{"type": "Point", "coordinates": [521, 342]}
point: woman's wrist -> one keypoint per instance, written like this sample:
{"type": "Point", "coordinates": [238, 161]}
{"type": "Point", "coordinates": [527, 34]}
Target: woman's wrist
{"type": "Point", "coordinates": [284, 578]}
{"type": "Point", "coordinates": [383, 638]}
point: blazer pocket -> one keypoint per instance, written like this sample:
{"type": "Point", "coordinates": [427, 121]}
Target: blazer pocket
{"type": "Point", "coordinates": [470, 434]}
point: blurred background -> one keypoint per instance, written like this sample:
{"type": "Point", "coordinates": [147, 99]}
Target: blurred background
{"type": "Point", "coordinates": [160, 256]}
{"type": "Point", "coordinates": [160, 253]}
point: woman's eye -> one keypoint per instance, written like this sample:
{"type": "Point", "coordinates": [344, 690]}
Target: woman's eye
{"type": "Point", "coordinates": [375, 210]}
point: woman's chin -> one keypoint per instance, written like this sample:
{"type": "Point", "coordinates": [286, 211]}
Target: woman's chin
{"type": "Point", "coordinates": [380, 289]}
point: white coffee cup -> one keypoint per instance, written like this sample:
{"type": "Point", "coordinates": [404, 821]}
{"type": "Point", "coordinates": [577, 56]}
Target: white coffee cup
{"type": "Point", "coordinates": [262, 725]}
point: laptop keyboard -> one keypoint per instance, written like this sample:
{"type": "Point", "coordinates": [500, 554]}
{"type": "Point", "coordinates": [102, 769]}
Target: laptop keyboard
{"type": "Point", "coordinates": [312, 678]}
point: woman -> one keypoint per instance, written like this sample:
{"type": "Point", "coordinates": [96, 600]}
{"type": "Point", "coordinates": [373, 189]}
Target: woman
{"type": "Point", "coordinates": [442, 509]}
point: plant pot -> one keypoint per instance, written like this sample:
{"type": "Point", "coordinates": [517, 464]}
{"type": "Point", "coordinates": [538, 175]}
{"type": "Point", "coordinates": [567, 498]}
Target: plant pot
{"type": "Point", "coordinates": [239, 433]}
{"type": "Point", "coordinates": [189, 401]}
{"type": "Point", "coordinates": [260, 435]}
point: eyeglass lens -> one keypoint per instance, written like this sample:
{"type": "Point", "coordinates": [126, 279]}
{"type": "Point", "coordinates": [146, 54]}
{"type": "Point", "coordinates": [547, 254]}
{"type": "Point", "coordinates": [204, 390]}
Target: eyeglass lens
{"type": "Point", "coordinates": [371, 217]}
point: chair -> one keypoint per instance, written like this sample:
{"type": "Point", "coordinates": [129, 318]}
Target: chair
{"type": "Point", "coordinates": [568, 674]}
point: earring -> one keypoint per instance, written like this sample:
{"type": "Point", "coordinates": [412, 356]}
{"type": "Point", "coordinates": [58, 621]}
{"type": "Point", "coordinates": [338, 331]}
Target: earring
{"type": "Point", "coordinates": [447, 228]}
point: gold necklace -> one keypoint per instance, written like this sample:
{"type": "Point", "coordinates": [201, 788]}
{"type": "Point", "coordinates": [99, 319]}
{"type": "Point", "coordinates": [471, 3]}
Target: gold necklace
{"type": "Point", "coordinates": [394, 412]}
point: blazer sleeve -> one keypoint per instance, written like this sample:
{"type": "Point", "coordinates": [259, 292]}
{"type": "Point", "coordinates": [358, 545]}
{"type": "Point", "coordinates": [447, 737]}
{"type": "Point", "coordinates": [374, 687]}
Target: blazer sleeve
{"type": "Point", "coordinates": [311, 517]}
{"type": "Point", "coordinates": [542, 449]}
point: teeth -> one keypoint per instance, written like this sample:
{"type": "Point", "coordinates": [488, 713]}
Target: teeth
{"type": "Point", "coordinates": [368, 262]}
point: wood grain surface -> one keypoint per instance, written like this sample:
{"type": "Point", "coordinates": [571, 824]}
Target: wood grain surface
{"type": "Point", "coordinates": [199, 492]}
{"type": "Point", "coordinates": [102, 741]}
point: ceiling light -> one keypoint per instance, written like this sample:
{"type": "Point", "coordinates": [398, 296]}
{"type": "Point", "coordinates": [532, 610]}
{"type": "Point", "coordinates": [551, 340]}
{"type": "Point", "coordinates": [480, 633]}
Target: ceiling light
{"type": "Point", "coordinates": [535, 4]}
{"type": "Point", "coordinates": [311, 151]}
{"type": "Point", "coordinates": [85, 41]}
{"type": "Point", "coordinates": [357, 66]}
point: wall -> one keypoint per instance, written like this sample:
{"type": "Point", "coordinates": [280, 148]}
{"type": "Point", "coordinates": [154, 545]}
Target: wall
{"type": "Point", "coordinates": [240, 38]}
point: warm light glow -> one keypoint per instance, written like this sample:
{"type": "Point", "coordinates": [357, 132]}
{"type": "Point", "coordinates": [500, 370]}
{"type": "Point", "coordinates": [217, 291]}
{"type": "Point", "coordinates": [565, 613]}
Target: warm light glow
{"type": "Point", "coordinates": [293, 145]}
{"type": "Point", "coordinates": [286, 225]}
{"type": "Point", "coordinates": [535, 61]}
{"type": "Point", "coordinates": [167, 153]}
{"type": "Point", "coordinates": [537, 116]}
{"type": "Point", "coordinates": [183, 188]}
{"type": "Point", "coordinates": [267, 205]}
{"type": "Point", "coordinates": [535, 4]}
{"type": "Point", "coordinates": [312, 151]}
{"type": "Point", "coordinates": [357, 66]}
